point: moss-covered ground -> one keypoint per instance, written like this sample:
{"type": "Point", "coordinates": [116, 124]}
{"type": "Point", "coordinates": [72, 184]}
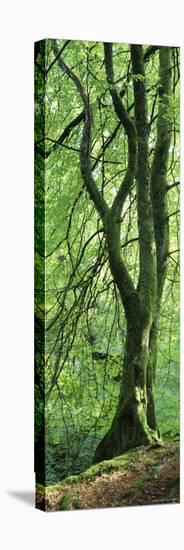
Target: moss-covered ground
{"type": "Point", "coordinates": [145, 475]}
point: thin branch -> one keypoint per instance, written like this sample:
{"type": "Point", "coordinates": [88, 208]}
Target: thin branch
{"type": "Point", "coordinates": [85, 145]}
{"type": "Point", "coordinates": [56, 58]}
{"type": "Point", "coordinates": [173, 252]}
{"type": "Point", "coordinates": [129, 128]}
{"type": "Point", "coordinates": [173, 213]}
{"type": "Point", "coordinates": [151, 50]}
{"type": "Point", "coordinates": [171, 185]}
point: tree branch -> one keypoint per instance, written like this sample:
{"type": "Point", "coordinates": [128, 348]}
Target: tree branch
{"type": "Point", "coordinates": [130, 130]}
{"type": "Point", "coordinates": [56, 58]}
{"type": "Point", "coordinates": [147, 274]}
{"type": "Point", "coordinates": [159, 186]}
{"type": "Point", "coordinates": [85, 145]}
{"type": "Point", "coordinates": [66, 132]}
{"type": "Point", "coordinates": [150, 51]}
{"type": "Point", "coordinates": [171, 185]}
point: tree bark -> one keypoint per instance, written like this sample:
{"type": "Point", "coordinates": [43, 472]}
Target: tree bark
{"type": "Point", "coordinates": [159, 189]}
{"type": "Point", "coordinates": [131, 425]}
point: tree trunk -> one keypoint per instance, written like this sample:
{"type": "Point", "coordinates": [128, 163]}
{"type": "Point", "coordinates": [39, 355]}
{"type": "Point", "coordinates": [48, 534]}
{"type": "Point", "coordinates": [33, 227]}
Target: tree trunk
{"type": "Point", "coordinates": [134, 423]}
{"type": "Point", "coordinates": [135, 419]}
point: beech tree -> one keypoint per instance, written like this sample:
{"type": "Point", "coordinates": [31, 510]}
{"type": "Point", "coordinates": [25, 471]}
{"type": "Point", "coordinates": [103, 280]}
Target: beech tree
{"type": "Point", "coordinates": [123, 99]}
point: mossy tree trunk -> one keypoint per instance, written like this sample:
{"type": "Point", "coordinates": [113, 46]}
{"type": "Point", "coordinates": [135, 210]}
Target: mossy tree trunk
{"type": "Point", "coordinates": [130, 426]}
{"type": "Point", "coordinates": [135, 421]}
{"type": "Point", "coordinates": [160, 211]}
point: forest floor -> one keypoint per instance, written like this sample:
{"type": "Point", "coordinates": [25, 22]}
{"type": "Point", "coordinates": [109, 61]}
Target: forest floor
{"type": "Point", "coordinates": [146, 475]}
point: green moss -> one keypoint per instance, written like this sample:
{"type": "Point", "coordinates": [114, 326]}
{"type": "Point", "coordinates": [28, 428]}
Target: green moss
{"type": "Point", "coordinates": [114, 464]}
{"type": "Point", "coordinates": [40, 487]}
{"type": "Point", "coordinates": [65, 502]}
{"type": "Point", "coordinates": [123, 461]}
{"type": "Point", "coordinates": [147, 455]}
